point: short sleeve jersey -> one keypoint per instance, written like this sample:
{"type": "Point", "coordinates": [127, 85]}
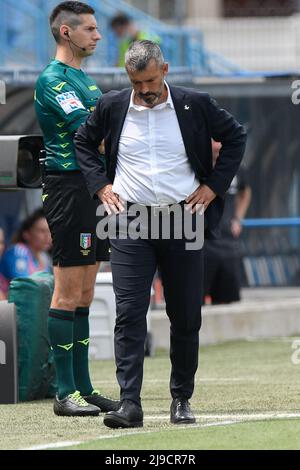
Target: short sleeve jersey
{"type": "Point", "coordinates": [64, 97]}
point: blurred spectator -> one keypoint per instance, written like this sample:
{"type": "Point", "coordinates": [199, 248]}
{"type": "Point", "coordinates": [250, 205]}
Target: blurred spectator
{"type": "Point", "coordinates": [127, 32]}
{"type": "Point", "coordinates": [28, 254]}
{"type": "Point", "coordinates": [222, 257]}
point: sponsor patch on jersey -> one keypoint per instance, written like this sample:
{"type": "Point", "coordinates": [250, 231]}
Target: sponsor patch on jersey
{"type": "Point", "coordinates": [69, 102]}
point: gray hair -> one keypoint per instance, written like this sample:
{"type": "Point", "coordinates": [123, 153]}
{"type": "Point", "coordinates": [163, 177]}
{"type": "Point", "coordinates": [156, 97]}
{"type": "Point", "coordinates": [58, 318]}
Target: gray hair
{"type": "Point", "coordinates": [140, 53]}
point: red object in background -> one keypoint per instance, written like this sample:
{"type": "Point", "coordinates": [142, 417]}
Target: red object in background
{"type": "Point", "coordinates": [158, 298]}
{"type": "Point", "coordinates": [207, 300]}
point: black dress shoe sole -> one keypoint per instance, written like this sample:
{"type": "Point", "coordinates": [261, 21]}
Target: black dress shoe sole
{"type": "Point", "coordinates": [76, 413]}
{"type": "Point", "coordinates": [115, 422]}
{"type": "Point", "coordinates": [183, 421]}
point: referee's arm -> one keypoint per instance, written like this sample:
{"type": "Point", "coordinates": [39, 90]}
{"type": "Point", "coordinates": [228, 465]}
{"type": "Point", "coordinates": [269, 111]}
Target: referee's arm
{"type": "Point", "coordinates": [48, 101]}
{"type": "Point", "coordinates": [87, 140]}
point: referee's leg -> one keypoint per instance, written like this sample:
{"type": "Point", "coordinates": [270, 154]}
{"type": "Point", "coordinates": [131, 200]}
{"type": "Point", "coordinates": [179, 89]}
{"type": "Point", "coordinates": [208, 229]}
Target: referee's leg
{"type": "Point", "coordinates": [68, 287]}
{"type": "Point", "coordinates": [66, 298]}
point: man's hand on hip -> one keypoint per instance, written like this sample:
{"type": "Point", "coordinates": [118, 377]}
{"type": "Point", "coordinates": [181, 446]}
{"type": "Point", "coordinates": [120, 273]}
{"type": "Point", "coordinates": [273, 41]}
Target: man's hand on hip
{"type": "Point", "coordinates": [111, 200]}
{"type": "Point", "coordinates": [200, 199]}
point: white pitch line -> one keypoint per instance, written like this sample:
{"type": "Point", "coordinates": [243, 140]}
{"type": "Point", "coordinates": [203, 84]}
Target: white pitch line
{"type": "Point", "coordinates": [54, 445]}
{"type": "Point", "coordinates": [230, 420]}
{"type": "Point", "coordinates": [208, 379]}
{"type": "Point", "coordinates": [244, 416]}
{"type": "Point", "coordinates": [124, 434]}
{"type": "Point", "coordinates": [273, 339]}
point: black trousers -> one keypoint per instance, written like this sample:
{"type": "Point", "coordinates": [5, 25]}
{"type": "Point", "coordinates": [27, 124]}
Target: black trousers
{"type": "Point", "coordinates": [134, 263]}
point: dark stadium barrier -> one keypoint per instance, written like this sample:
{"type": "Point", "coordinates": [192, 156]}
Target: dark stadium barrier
{"type": "Point", "coordinates": [271, 251]}
{"type": "Point", "coordinates": [8, 354]}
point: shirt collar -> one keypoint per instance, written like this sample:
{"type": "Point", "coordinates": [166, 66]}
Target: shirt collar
{"type": "Point", "coordinates": [167, 104]}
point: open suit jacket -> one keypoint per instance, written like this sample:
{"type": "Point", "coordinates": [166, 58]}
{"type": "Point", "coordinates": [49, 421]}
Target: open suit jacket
{"type": "Point", "coordinates": [200, 119]}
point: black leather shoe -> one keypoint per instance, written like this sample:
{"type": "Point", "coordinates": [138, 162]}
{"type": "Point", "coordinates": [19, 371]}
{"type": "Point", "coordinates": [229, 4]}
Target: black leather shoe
{"type": "Point", "coordinates": [129, 415]}
{"type": "Point", "coordinates": [181, 412]}
{"type": "Point", "coordinates": [74, 405]}
{"type": "Point", "coordinates": [104, 403]}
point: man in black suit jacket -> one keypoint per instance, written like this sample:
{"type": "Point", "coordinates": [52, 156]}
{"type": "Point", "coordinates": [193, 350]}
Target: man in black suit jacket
{"type": "Point", "coordinates": [158, 153]}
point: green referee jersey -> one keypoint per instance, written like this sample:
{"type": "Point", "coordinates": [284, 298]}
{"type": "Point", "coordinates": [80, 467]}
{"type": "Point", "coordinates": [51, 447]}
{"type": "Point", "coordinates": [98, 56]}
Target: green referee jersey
{"type": "Point", "coordinates": [64, 97]}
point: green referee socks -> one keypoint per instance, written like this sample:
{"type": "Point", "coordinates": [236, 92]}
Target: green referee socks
{"type": "Point", "coordinates": [81, 351]}
{"type": "Point", "coordinates": [60, 328]}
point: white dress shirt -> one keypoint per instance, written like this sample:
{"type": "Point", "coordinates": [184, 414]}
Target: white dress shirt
{"type": "Point", "coordinates": [152, 166]}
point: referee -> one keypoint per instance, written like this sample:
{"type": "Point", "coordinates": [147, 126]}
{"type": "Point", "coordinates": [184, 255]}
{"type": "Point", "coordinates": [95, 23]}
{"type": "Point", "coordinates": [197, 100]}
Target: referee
{"type": "Point", "coordinates": [64, 97]}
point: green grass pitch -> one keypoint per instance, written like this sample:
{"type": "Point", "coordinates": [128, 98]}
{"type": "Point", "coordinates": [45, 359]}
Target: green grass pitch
{"type": "Point", "coordinates": [247, 396]}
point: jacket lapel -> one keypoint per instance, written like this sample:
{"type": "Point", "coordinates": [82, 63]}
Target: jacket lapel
{"type": "Point", "coordinates": [183, 108]}
{"type": "Point", "coordinates": [188, 126]}
{"type": "Point", "coordinates": [118, 115]}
